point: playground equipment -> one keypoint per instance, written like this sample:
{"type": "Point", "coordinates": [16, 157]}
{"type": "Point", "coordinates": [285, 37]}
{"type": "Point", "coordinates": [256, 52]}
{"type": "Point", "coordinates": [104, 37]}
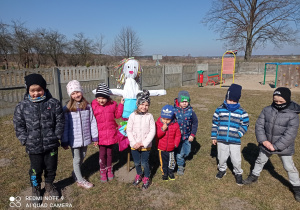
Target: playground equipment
{"type": "Point", "coordinates": [228, 64]}
{"type": "Point", "coordinates": [200, 78]}
{"type": "Point", "coordinates": [287, 74]}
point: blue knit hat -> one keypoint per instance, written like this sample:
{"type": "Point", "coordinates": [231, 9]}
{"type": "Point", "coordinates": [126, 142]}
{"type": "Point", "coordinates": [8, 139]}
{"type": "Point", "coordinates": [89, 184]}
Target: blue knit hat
{"type": "Point", "coordinates": [167, 112]}
{"type": "Point", "coordinates": [234, 93]}
{"type": "Point", "coordinates": [183, 96]}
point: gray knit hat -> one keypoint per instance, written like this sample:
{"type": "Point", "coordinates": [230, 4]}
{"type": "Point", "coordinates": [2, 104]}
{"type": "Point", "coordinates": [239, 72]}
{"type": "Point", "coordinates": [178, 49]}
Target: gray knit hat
{"type": "Point", "coordinates": [183, 96]}
{"type": "Point", "coordinates": [142, 97]}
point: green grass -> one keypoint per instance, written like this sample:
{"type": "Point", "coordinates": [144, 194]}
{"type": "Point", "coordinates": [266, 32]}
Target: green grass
{"type": "Point", "coordinates": [197, 189]}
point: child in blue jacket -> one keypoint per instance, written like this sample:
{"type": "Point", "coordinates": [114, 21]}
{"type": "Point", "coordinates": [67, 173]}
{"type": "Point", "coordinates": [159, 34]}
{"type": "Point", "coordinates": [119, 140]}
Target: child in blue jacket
{"type": "Point", "coordinates": [230, 123]}
{"type": "Point", "coordinates": [188, 123]}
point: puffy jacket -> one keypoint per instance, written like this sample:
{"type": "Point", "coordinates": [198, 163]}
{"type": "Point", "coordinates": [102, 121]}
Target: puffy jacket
{"type": "Point", "coordinates": [229, 126]}
{"type": "Point", "coordinates": [80, 128]}
{"type": "Point", "coordinates": [278, 127]}
{"type": "Point", "coordinates": [105, 116]}
{"type": "Point", "coordinates": [169, 139]}
{"type": "Point", "coordinates": [140, 128]}
{"type": "Point", "coordinates": [187, 120]}
{"type": "Point", "coordinates": [39, 125]}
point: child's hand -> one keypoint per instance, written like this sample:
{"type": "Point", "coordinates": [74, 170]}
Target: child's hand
{"type": "Point", "coordinates": [164, 127]}
{"type": "Point", "coordinates": [137, 145]}
{"type": "Point", "coordinates": [122, 101]}
{"type": "Point", "coordinates": [95, 144]}
{"type": "Point", "coordinates": [214, 142]}
{"type": "Point", "coordinates": [191, 138]}
{"type": "Point", "coordinates": [268, 145]}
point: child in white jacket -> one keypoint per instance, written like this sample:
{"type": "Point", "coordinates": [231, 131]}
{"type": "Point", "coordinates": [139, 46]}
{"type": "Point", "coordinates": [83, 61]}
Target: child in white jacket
{"type": "Point", "coordinates": [141, 131]}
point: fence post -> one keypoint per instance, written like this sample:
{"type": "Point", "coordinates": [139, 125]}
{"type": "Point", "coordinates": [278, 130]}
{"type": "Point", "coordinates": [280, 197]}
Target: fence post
{"type": "Point", "coordinates": [56, 84]}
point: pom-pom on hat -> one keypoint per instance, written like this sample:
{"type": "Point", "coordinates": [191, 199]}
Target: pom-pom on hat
{"type": "Point", "coordinates": [142, 97]}
{"type": "Point", "coordinates": [234, 93]}
{"type": "Point", "coordinates": [284, 93]}
{"type": "Point", "coordinates": [167, 112]}
{"type": "Point", "coordinates": [183, 96]}
{"type": "Point", "coordinates": [102, 91]}
{"type": "Point", "coordinates": [72, 86]}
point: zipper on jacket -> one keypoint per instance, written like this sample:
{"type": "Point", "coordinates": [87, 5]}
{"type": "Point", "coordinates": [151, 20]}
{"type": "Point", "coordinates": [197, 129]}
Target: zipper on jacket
{"type": "Point", "coordinates": [228, 126]}
{"type": "Point", "coordinates": [167, 140]}
{"type": "Point", "coordinates": [273, 127]}
{"type": "Point", "coordinates": [81, 129]}
{"type": "Point", "coordinates": [40, 124]}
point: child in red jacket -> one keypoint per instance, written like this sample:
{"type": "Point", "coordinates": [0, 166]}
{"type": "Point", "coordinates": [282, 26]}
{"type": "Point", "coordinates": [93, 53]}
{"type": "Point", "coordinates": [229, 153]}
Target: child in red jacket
{"type": "Point", "coordinates": [168, 137]}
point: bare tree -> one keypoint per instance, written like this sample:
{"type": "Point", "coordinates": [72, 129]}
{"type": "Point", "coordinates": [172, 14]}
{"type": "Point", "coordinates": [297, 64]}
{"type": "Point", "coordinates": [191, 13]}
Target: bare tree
{"type": "Point", "coordinates": [6, 46]}
{"type": "Point", "coordinates": [127, 43]}
{"type": "Point", "coordinates": [82, 47]}
{"type": "Point", "coordinates": [246, 24]}
{"type": "Point", "coordinates": [99, 44]}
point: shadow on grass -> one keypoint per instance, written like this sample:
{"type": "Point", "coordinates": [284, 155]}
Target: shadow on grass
{"type": "Point", "coordinates": [195, 147]}
{"type": "Point", "coordinates": [250, 153]}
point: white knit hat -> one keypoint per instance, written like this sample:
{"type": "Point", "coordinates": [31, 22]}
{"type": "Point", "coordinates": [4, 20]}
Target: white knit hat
{"type": "Point", "coordinates": [72, 86]}
{"type": "Point", "coordinates": [102, 91]}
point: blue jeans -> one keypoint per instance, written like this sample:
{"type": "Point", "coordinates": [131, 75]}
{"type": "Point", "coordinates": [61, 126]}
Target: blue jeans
{"type": "Point", "coordinates": [141, 158]}
{"type": "Point", "coordinates": [183, 151]}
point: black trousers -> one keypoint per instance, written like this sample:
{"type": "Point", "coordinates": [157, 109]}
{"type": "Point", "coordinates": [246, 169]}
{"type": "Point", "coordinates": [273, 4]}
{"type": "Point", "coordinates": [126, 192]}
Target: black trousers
{"type": "Point", "coordinates": [44, 162]}
{"type": "Point", "coordinates": [167, 162]}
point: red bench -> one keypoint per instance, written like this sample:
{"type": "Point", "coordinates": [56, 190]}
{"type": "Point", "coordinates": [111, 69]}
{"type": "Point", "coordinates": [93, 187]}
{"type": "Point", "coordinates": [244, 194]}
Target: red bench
{"type": "Point", "coordinates": [214, 79]}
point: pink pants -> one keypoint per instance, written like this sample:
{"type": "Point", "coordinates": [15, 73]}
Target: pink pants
{"type": "Point", "coordinates": [105, 156]}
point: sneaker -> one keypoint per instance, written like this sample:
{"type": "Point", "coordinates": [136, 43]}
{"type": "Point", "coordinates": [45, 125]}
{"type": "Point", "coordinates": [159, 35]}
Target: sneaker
{"type": "Point", "coordinates": [51, 189]}
{"type": "Point", "coordinates": [146, 183]}
{"type": "Point", "coordinates": [239, 179]}
{"type": "Point", "coordinates": [180, 171]}
{"type": "Point", "coordinates": [250, 179]}
{"type": "Point", "coordinates": [137, 180]}
{"type": "Point", "coordinates": [85, 184]}
{"type": "Point", "coordinates": [171, 176]}
{"type": "Point", "coordinates": [165, 177]}
{"type": "Point", "coordinates": [220, 174]}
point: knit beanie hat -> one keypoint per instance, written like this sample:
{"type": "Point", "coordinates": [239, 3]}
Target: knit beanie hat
{"type": "Point", "coordinates": [102, 91]}
{"type": "Point", "coordinates": [72, 86]}
{"type": "Point", "coordinates": [167, 112]}
{"type": "Point", "coordinates": [35, 79]}
{"type": "Point", "coordinates": [183, 96]}
{"type": "Point", "coordinates": [284, 93]}
{"type": "Point", "coordinates": [234, 92]}
{"type": "Point", "coordinates": [142, 97]}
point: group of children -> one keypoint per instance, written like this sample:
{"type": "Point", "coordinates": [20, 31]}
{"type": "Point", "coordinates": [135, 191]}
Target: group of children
{"type": "Point", "coordinates": [40, 122]}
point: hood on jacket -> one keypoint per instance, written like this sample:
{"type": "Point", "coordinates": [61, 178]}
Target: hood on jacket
{"type": "Point", "coordinates": [294, 107]}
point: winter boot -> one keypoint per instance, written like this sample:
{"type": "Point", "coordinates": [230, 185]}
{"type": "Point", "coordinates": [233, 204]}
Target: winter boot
{"type": "Point", "coordinates": [296, 190]}
{"type": "Point", "coordinates": [103, 175]}
{"type": "Point", "coordinates": [36, 194]}
{"type": "Point", "coordinates": [180, 171]}
{"type": "Point", "coordinates": [220, 174]}
{"type": "Point", "coordinates": [110, 174]}
{"type": "Point", "coordinates": [51, 189]}
{"type": "Point", "coordinates": [146, 183]}
{"type": "Point", "coordinates": [250, 179]}
{"type": "Point", "coordinates": [239, 179]}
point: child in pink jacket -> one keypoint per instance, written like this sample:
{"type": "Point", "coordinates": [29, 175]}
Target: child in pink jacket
{"type": "Point", "coordinates": [105, 111]}
{"type": "Point", "coordinates": [140, 131]}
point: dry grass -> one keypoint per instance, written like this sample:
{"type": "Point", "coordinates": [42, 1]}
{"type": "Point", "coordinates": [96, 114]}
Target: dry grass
{"type": "Point", "coordinates": [197, 189]}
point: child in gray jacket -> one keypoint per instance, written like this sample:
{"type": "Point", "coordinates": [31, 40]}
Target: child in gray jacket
{"type": "Point", "coordinates": [276, 130]}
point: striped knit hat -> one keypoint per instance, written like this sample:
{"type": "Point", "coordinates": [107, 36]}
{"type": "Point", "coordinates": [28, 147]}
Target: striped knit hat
{"type": "Point", "coordinates": [102, 91]}
{"type": "Point", "coordinates": [143, 97]}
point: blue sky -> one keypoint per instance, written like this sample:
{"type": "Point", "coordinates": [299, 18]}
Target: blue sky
{"type": "Point", "coordinates": [167, 27]}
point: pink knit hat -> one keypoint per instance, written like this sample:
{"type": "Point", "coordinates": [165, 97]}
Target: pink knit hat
{"type": "Point", "coordinates": [72, 86]}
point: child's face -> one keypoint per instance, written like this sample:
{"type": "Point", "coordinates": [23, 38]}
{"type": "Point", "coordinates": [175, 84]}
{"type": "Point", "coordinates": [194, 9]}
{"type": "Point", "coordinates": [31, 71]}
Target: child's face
{"type": "Point", "coordinates": [183, 104]}
{"type": "Point", "coordinates": [36, 91]}
{"type": "Point", "coordinates": [143, 107]}
{"type": "Point", "coordinates": [231, 101]}
{"type": "Point", "coordinates": [102, 101]}
{"type": "Point", "coordinates": [76, 96]}
{"type": "Point", "coordinates": [278, 100]}
{"type": "Point", "coordinates": [165, 120]}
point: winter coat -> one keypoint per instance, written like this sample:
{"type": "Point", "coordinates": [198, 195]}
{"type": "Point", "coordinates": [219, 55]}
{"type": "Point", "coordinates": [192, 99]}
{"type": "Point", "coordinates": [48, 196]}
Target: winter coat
{"type": "Point", "coordinates": [80, 128]}
{"type": "Point", "coordinates": [187, 120]}
{"type": "Point", "coordinates": [39, 125]}
{"type": "Point", "coordinates": [105, 116]}
{"type": "Point", "coordinates": [278, 127]}
{"type": "Point", "coordinates": [229, 126]}
{"type": "Point", "coordinates": [140, 128]}
{"type": "Point", "coordinates": [169, 139]}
